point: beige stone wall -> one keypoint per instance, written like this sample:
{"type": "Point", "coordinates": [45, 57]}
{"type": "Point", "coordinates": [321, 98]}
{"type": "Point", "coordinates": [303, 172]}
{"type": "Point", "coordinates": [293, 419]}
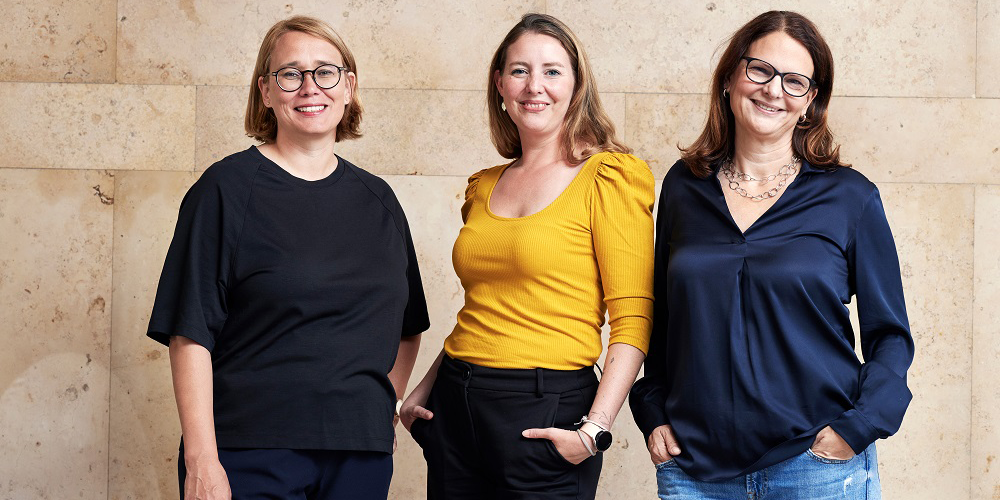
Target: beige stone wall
{"type": "Point", "coordinates": [113, 107]}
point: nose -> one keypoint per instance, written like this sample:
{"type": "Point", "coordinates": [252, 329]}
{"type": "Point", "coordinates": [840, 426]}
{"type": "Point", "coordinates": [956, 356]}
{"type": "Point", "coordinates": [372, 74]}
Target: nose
{"type": "Point", "coordinates": [534, 83]}
{"type": "Point", "coordinates": [773, 87]}
{"type": "Point", "coordinates": [309, 86]}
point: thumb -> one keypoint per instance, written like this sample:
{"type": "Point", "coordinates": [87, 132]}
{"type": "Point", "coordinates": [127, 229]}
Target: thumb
{"type": "Point", "coordinates": [537, 433]}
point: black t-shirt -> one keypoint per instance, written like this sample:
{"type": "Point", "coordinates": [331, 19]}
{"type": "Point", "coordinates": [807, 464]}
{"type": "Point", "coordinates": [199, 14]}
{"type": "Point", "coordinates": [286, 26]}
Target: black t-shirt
{"type": "Point", "coordinates": [301, 291]}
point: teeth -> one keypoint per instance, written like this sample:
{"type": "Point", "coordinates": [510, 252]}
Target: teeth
{"type": "Point", "coordinates": [310, 109]}
{"type": "Point", "coordinates": [533, 106]}
{"type": "Point", "coordinates": [764, 106]}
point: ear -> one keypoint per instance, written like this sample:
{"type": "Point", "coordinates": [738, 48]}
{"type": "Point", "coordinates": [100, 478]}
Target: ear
{"type": "Point", "coordinates": [352, 81]}
{"type": "Point", "coordinates": [265, 95]}
{"type": "Point", "coordinates": [810, 96]}
{"type": "Point", "coordinates": [497, 82]}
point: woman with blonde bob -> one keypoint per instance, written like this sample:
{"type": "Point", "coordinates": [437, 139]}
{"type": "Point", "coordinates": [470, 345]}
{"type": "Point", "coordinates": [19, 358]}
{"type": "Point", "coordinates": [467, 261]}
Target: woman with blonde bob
{"type": "Point", "coordinates": [752, 388]}
{"type": "Point", "coordinates": [290, 297]}
{"type": "Point", "coordinates": [512, 407]}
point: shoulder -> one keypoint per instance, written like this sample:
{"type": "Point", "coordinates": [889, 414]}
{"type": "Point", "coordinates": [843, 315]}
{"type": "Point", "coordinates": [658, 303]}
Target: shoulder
{"type": "Point", "coordinates": [228, 178]}
{"type": "Point", "coordinates": [474, 179]}
{"type": "Point", "coordinates": [377, 185]}
{"type": "Point", "coordinates": [622, 167]}
{"type": "Point", "coordinates": [848, 184]}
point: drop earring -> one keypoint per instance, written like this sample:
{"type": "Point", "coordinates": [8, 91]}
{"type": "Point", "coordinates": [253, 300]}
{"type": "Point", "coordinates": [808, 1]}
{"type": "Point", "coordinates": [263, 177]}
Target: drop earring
{"type": "Point", "coordinates": [503, 105]}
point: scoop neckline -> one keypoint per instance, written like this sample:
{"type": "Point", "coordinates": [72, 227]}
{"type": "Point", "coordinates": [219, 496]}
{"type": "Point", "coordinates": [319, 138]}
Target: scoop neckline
{"type": "Point", "coordinates": [572, 184]}
{"type": "Point", "coordinates": [286, 176]}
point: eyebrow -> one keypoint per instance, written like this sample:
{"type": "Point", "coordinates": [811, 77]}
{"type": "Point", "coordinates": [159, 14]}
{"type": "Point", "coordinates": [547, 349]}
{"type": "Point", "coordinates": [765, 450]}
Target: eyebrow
{"type": "Point", "coordinates": [548, 64]}
{"type": "Point", "coordinates": [296, 64]}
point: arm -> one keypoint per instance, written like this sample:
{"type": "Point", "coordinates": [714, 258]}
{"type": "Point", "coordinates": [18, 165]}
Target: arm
{"type": "Point", "coordinates": [886, 343]}
{"type": "Point", "coordinates": [191, 368]}
{"type": "Point", "coordinates": [405, 357]}
{"type": "Point", "coordinates": [413, 408]}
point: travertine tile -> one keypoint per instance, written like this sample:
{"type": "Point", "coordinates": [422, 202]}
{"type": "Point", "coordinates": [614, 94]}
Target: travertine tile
{"type": "Point", "coordinates": [933, 227]}
{"type": "Point", "coordinates": [614, 105]}
{"type": "Point", "coordinates": [55, 287]}
{"type": "Point", "coordinates": [656, 124]}
{"type": "Point", "coordinates": [986, 347]}
{"type": "Point", "coordinates": [145, 431]}
{"type": "Point", "coordinates": [676, 45]}
{"type": "Point", "coordinates": [988, 50]}
{"type": "Point", "coordinates": [398, 44]}
{"type": "Point", "coordinates": [58, 41]}
{"type": "Point", "coordinates": [919, 140]}
{"type": "Point", "coordinates": [427, 132]}
{"type": "Point", "coordinates": [86, 126]}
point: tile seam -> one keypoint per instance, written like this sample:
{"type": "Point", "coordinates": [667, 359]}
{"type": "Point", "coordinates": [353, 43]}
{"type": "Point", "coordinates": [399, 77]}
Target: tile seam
{"type": "Point", "coordinates": [111, 332]}
{"type": "Point", "coordinates": [972, 322]}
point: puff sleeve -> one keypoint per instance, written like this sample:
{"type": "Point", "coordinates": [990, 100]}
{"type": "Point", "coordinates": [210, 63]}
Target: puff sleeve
{"type": "Point", "coordinates": [622, 225]}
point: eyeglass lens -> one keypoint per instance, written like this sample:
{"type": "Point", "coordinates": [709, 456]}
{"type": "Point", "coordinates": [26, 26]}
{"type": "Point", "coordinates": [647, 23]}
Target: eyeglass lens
{"type": "Point", "coordinates": [325, 77]}
{"type": "Point", "coordinates": [794, 84]}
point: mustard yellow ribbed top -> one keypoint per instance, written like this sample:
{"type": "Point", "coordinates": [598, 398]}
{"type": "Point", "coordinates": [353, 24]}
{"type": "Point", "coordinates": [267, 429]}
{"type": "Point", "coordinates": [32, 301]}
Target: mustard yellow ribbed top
{"type": "Point", "coordinates": [537, 287]}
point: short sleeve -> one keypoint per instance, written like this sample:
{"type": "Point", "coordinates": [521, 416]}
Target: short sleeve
{"type": "Point", "coordinates": [415, 317]}
{"type": "Point", "coordinates": [622, 224]}
{"type": "Point", "coordinates": [470, 193]}
{"type": "Point", "coordinates": [191, 294]}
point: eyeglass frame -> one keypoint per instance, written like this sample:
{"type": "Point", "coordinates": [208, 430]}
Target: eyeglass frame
{"type": "Point", "coordinates": [746, 69]}
{"type": "Point", "coordinates": [340, 72]}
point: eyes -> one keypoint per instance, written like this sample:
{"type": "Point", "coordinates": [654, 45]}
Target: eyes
{"type": "Point", "coordinates": [523, 72]}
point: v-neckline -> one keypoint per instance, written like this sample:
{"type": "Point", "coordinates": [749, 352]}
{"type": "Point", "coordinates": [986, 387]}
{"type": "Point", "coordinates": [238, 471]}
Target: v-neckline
{"type": "Point", "coordinates": [729, 211]}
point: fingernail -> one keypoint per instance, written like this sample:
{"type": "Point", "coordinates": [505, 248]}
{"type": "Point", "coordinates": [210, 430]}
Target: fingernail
{"type": "Point", "coordinates": [524, 433]}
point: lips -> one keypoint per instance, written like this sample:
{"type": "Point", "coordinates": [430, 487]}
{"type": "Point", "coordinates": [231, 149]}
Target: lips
{"type": "Point", "coordinates": [314, 108]}
{"type": "Point", "coordinates": [533, 105]}
{"type": "Point", "coordinates": [764, 107]}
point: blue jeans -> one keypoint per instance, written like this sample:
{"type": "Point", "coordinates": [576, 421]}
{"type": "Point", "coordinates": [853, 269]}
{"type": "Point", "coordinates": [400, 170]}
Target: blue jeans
{"type": "Point", "coordinates": [805, 476]}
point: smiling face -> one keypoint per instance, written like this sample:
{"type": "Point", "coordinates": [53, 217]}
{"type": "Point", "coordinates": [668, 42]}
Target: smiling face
{"type": "Point", "coordinates": [536, 84]}
{"type": "Point", "coordinates": [764, 111]}
{"type": "Point", "coordinates": [310, 111]}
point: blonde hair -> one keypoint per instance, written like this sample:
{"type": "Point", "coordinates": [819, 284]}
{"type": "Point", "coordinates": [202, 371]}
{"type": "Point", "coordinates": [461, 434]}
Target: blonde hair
{"type": "Point", "coordinates": [260, 122]}
{"type": "Point", "coordinates": [586, 127]}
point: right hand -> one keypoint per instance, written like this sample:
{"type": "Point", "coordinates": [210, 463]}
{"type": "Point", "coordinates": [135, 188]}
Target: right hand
{"type": "Point", "coordinates": [662, 444]}
{"type": "Point", "coordinates": [206, 480]}
{"type": "Point", "coordinates": [412, 410]}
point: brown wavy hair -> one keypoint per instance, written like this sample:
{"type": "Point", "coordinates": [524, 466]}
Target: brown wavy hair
{"type": "Point", "coordinates": [586, 127]}
{"type": "Point", "coordinates": [812, 139]}
{"type": "Point", "coordinates": [260, 122]}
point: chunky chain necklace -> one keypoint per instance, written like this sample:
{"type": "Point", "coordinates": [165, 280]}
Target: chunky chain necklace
{"type": "Point", "coordinates": [783, 174]}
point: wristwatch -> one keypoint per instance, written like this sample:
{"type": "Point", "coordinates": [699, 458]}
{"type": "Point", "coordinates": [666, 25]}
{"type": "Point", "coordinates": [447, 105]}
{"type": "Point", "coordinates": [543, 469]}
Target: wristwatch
{"type": "Point", "coordinates": [601, 436]}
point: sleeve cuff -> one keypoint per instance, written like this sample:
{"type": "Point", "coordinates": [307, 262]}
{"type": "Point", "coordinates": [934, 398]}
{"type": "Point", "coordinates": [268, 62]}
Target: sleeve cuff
{"type": "Point", "coordinates": [854, 428]}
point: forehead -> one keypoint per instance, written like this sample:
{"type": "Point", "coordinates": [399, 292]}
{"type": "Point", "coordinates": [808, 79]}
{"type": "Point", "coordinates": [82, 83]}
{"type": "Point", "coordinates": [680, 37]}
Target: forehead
{"type": "Point", "coordinates": [537, 48]}
{"type": "Point", "coordinates": [785, 53]}
{"type": "Point", "coordinates": [304, 49]}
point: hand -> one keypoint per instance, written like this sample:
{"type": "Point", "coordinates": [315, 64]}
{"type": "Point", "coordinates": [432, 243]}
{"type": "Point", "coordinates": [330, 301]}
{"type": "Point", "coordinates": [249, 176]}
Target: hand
{"type": "Point", "coordinates": [830, 445]}
{"type": "Point", "coordinates": [206, 480]}
{"type": "Point", "coordinates": [662, 444]}
{"type": "Point", "coordinates": [411, 411]}
{"type": "Point", "coordinates": [567, 443]}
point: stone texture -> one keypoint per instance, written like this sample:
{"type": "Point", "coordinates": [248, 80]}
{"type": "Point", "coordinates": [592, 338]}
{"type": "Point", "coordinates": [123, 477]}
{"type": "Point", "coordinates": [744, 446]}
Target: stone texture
{"type": "Point", "coordinates": [55, 284]}
{"type": "Point", "coordinates": [85, 126]}
{"type": "Point", "coordinates": [675, 45]}
{"type": "Point", "coordinates": [397, 44]}
{"type": "Point", "coordinates": [920, 140]}
{"type": "Point", "coordinates": [58, 41]}
{"type": "Point", "coordinates": [933, 227]}
{"type": "Point", "coordinates": [986, 347]}
{"type": "Point", "coordinates": [988, 49]}
{"type": "Point", "coordinates": [145, 430]}
{"type": "Point", "coordinates": [656, 124]}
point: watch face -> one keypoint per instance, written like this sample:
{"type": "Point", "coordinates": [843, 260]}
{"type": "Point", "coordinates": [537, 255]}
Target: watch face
{"type": "Point", "coordinates": [603, 440]}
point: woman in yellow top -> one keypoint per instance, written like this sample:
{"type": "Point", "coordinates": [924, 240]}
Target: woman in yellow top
{"type": "Point", "coordinates": [512, 407]}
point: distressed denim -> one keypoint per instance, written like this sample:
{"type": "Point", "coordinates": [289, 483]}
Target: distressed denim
{"type": "Point", "coordinates": [804, 476]}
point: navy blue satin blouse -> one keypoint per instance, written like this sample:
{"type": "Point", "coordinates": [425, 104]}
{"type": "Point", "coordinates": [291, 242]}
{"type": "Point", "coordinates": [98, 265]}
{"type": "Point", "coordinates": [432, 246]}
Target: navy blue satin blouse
{"type": "Point", "coordinates": [752, 349]}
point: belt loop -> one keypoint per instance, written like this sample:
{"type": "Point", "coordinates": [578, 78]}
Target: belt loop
{"type": "Point", "coordinates": [539, 383]}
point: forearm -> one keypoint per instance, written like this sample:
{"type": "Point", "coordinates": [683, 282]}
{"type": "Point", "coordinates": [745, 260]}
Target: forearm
{"type": "Point", "coordinates": [621, 366]}
{"type": "Point", "coordinates": [399, 376]}
{"type": "Point", "coordinates": [423, 389]}
{"type": "Point", "coordinates": [191, 369]}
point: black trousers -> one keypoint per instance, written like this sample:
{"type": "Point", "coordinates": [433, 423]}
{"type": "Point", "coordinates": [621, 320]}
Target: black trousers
{"type": "Point", "coordinates": [473, 445]}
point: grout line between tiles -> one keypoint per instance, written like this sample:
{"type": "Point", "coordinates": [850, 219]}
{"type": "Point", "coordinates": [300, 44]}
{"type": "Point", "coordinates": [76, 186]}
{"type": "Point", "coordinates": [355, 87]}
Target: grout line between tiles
{"type": "Point", "coordinates": [111, 332]}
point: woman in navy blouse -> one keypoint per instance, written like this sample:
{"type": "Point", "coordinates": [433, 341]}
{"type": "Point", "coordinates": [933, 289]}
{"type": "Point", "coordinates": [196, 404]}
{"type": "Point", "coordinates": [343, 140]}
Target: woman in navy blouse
{"type": "Point", "coordinates": [752, 386]}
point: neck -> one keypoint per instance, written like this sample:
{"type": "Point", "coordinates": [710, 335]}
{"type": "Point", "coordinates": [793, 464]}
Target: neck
{"type": "Point", "coordinates": [760, 159]}
{"type": "Point", "coordinates": [306, 159]}
{"type": "Point", "coordinates": [543, 152]}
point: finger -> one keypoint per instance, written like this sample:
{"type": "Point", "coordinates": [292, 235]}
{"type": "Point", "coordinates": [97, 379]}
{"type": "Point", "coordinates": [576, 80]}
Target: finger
{"type": "Point", "coordinates": [537, 433]}
{"type": "Point", "coordinates": [657, 448]}
{"type": "Point", "coordinates": [423, 413]}
{"type": "Point", "coordinates": [670, 443]}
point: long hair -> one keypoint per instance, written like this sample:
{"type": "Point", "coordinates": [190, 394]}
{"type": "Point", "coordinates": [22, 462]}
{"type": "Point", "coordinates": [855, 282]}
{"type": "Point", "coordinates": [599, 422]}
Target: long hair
{"type": "Point", "coordinates": [812, 139]}
{"type": "Point", "coordinates": [260, 122]}
{"type": "Point", "coordinates": [586, 128]}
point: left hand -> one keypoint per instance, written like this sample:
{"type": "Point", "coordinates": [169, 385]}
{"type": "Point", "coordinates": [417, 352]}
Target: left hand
{"type": "Point", "coordinates": [830, 445]}
{"type": "Point", "coordinates": [567, 443]}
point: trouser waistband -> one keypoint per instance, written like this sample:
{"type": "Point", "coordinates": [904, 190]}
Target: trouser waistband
{"type": "Point", "coordinates": [538, 380]}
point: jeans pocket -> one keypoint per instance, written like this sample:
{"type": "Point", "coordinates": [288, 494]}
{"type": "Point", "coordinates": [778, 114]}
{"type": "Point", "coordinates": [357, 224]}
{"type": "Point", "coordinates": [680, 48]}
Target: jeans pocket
{"type": "Point", "coordinates": [417, 431]}
{"type": "Point", "coordinates": [823, 460]}
{"type": "Point", "coordinates": [664, 465]}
